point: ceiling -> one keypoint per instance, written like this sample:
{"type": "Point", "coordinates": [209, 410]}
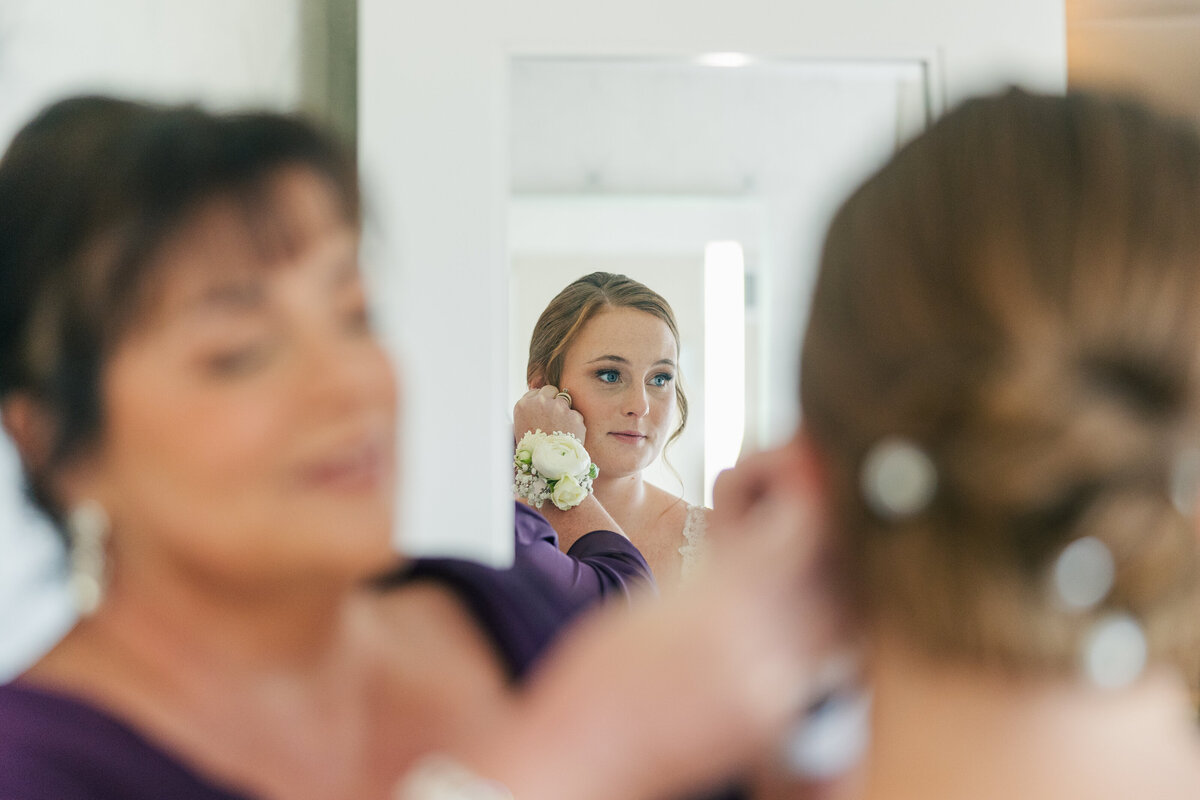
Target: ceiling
{"type": "Point", "coordinates": [1150, 47]}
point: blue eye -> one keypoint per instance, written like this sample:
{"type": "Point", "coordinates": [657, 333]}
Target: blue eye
{"type": "Point", "coordinates": [661, 379]}
{"type": "Point", "coordinates": [608, 375]}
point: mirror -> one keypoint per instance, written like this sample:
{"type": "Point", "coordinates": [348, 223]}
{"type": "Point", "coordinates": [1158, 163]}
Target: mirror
{"type": "Point", "coordinates": [710, 180]}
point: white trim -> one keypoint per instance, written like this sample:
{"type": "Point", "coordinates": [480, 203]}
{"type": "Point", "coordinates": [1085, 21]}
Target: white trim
{"type": "Point", "coordinates": [549, 224]}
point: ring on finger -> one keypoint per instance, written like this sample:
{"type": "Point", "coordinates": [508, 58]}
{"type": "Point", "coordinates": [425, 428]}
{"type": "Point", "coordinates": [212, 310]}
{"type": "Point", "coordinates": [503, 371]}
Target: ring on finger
{"type": "Point", "coordinates": [565, 395]}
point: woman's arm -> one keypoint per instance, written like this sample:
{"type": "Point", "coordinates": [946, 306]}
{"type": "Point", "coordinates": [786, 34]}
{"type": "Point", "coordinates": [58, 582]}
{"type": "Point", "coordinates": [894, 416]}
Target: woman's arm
{"type": "Point", "coordinates": [598, 564]}
{"type": "Point", "coordinates": [677, 694]}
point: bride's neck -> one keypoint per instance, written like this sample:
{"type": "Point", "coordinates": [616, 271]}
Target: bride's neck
{"type": "Point", "coordinates": [620, 495]}
{"type": "Point", "coordinates": [958, 731]}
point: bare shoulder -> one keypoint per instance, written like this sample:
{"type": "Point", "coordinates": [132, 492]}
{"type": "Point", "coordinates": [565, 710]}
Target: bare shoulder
{"type": "Point", "coordinates": [668, 511]}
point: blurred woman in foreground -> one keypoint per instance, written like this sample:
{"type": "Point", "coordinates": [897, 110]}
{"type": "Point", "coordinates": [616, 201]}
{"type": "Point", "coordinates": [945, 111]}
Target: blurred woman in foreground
{"type": "Point", "coordinates": [1001, 388]}
{"type": "Point", "coordinates": [188, 370]}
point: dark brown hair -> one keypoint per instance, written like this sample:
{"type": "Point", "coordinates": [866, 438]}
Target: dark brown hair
{"type": "Point", "coordinates": [90, 190]}
{"type": "Point", "coordinates": [572, 308]}
{"type": "Point", "coordinates": [1018, 292]}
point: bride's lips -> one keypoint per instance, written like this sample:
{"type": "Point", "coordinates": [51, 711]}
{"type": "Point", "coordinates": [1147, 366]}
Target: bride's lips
{"type": "Point", "coordinates": [631, 437]}
{"type": "Point", "coordinates": [364, 466]}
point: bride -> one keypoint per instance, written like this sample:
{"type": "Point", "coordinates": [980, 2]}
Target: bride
{"type": "Point", "coordinates": [612, 345]}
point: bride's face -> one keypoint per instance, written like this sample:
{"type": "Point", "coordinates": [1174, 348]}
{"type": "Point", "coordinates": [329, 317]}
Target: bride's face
{"type": "Point", "coordinates": [621, 373]}
{"type": "Point", "coordinates": [250, 416]}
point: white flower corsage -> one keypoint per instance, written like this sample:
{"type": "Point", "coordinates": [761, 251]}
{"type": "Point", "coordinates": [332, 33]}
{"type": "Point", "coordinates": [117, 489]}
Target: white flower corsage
{"type": "Point", "coordinates": [554, 467]}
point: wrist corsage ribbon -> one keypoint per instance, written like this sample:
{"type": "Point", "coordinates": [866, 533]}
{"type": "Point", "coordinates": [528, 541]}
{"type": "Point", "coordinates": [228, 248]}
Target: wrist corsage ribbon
{"type": "Point", "coordinates": [552, 466]}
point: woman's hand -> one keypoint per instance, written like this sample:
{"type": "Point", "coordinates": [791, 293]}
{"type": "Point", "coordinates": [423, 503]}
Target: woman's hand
{"type": "Point", "coordinates": [674, 694]}
{"type": "Point", "coordinates": [773, 502]}
{"type": "Point", "coordinates": [543, 408]}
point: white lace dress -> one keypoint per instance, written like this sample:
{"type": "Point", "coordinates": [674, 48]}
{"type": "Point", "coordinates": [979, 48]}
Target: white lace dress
{"type": "Point", "coordinates": [695, 545]}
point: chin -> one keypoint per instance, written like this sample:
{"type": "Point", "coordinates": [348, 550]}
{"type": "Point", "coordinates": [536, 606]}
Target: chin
{"type": "Point", "coordinates": [354, 546]}
{"type": "Point", "coordinates": [363, 563]}
{"type": "Point", "coordinates": [380, 563]}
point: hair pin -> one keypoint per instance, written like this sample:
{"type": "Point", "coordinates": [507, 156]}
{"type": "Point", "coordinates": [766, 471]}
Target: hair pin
{"type": "Point", "coordinates": [1114, 651]}
{"type": "Point", "coordinates": [1083, 573]}
{"type": "Point", "coordinates": [898, 479]}
{"type": "Point", "coordinates": [1185, 480]}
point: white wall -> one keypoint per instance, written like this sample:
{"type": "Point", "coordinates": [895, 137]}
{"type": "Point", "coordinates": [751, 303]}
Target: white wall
{"type": "Point", "coordinates": [224, 53]}
{"type": "Point", "coordinates": [432, 105]}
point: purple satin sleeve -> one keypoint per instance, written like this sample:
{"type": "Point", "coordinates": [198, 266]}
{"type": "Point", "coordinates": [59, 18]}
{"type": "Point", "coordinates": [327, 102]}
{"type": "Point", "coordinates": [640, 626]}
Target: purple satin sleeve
{"type": "Point", "coordinates": [600, 564]}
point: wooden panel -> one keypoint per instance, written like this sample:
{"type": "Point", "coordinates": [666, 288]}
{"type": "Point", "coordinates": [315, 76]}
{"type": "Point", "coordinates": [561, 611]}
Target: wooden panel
{"type": "Point", "coordinates": [1144, 47]}
{"type": "Point", "coordinates": [1081, 10]}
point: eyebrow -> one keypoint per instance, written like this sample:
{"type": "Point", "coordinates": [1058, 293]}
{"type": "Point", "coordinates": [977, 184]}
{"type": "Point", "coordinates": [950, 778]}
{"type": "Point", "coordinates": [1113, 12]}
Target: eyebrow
{"type": "Point", "coordinates": [241, 295]}
{"type": "Point", "coordinates": [621, 360]}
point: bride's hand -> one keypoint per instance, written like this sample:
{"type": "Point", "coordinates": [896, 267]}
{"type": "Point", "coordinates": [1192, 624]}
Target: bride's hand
{"type": "Point", "coordinates": [543, 408]}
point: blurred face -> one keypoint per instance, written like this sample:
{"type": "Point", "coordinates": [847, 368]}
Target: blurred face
{"type": "Point", "coordinates": [620, 372]}
{"type": "Point", "coordinates": [250, 417]}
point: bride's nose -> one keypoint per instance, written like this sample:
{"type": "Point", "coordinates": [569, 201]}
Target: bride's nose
{"type": "Point", "coordinates": [637, 404]}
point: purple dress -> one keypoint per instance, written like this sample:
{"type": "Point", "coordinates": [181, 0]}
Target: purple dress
{"type": "Point", "coordinates": [523, 608]}
{"type": "Point", "coordinates": [600, 564]}
{"type": "Point", "coordinates": [53, 747]}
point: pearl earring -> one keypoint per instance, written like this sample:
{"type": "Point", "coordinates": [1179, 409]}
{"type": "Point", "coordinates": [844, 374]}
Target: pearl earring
{"type": "Point", "coordinates": [88, 528]}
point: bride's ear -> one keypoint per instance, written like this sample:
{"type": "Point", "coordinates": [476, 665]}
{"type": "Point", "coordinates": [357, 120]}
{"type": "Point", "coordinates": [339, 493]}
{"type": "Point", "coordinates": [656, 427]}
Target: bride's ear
{"type": "Point", "coordinates": [537, 382]}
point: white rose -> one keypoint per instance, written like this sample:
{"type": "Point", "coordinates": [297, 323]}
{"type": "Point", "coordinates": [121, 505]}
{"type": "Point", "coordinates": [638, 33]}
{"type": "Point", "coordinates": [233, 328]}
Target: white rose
{"type": "Point", "coordinates": [525, 447]}
{"type": "Point", "coordinates": [559, 455]}
{"type": "Point", "coordinates": [568, 493]}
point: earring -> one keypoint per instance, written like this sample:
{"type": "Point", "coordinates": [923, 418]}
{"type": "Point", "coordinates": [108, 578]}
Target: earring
{"type": "Point", "coordinates": [88, 527]}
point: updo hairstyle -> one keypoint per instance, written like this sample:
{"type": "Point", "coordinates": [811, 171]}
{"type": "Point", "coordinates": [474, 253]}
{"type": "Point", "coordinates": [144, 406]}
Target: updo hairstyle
{"type": "Point", "coordinates": [1018, 293]}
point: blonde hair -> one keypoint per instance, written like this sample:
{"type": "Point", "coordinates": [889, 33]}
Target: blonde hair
{"type": "Point", "coordinates": [572, 308]}
{"type": "Point", "coordinates": [1018, 291]}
